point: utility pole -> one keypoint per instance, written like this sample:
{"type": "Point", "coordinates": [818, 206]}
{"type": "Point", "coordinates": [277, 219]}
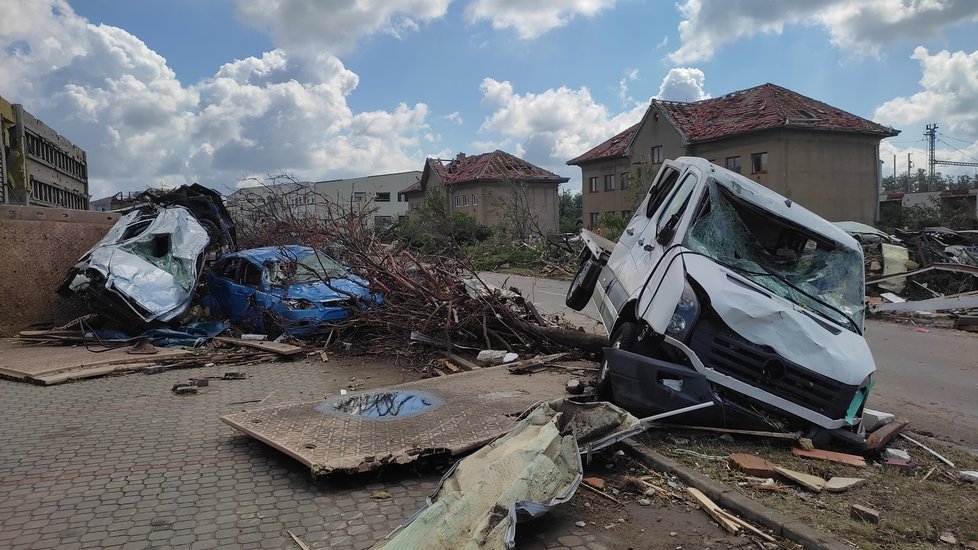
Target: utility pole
{"type": "Point", "coordinates": [894, 168]}
{"type": "Point", "coordinates": [931, 135]}
{"type": "Point", "coordinates": [909, 165]}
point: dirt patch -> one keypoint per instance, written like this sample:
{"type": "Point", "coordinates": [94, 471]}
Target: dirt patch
{"type": "Point", "coordinates": [915, 512]}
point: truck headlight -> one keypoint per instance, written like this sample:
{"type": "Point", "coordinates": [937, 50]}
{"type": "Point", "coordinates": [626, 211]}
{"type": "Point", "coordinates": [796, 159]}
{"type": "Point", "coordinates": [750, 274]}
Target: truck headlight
{"type": "Point", "coordinates": [687, 311]}
{"type": "Point", "coordinates": [299, 304]}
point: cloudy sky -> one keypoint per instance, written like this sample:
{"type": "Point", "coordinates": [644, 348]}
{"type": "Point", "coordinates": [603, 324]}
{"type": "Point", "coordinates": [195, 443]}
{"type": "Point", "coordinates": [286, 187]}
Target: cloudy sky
{"type": "Point", "coordinates": [163, 93]}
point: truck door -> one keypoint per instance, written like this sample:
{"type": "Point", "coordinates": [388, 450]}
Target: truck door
{"type": "Point", "coordinates": [658, 254]}
{"type": "Point", "coordinates": [623, 258]}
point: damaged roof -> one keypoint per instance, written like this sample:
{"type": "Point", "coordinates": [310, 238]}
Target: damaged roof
{"type": "Point", "coordinates": [487, 167]}
{"type": "Point", "coordinates": [617, 146]}
{"type": "Point", "coordinates": [763, 107]}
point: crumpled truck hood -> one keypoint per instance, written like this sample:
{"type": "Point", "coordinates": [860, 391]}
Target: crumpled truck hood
{"type": "Point", "coordinates": [783, 326]}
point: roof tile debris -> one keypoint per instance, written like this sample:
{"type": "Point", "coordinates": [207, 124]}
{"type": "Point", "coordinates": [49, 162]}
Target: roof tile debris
{"type": "Point", "coordinates": [762, 107]}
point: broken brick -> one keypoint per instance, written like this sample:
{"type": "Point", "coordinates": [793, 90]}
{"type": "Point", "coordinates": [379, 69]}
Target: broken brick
{"type": "Point", "coordinates": [595, 482]}
{"type": "Point", "coordinates": [752, 465]}
{"type": "Point", "coordinates": [863, 513]}
{"type": "Point", "coordinates": [900, 465]}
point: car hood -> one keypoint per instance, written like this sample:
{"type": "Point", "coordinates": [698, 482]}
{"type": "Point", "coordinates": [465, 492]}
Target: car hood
{"type": "Point", "coordinates": [767, 319]}
{"type": "Point", "coordinates": [335, 289]}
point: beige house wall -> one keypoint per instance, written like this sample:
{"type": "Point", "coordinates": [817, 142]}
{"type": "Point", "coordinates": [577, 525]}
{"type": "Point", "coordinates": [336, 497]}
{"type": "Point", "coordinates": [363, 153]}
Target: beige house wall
{"type": "Point", "coordinates": [834, 174]}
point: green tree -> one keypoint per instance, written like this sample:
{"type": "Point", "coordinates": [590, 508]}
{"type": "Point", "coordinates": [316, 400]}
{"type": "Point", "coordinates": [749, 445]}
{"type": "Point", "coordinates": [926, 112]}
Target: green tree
{"type": "Point", "coordinates": [570, 211]}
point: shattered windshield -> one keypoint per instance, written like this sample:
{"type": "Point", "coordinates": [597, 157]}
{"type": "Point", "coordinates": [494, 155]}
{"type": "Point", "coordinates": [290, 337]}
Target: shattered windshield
{"type": "Point", "coordinates": [807, 268]}
{"type": "Point", "coordinates": [314, 266]}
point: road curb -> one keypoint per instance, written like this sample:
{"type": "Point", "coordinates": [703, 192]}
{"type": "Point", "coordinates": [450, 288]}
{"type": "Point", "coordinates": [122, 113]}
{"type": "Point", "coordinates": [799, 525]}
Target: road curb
{"type": "Point", "coordinates": [736, 501]}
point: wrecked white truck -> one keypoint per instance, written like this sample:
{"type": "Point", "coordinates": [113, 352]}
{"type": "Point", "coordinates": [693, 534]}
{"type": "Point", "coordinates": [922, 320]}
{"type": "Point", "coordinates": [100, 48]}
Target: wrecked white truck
{"type": "Point", "coordinates": [723, 294]}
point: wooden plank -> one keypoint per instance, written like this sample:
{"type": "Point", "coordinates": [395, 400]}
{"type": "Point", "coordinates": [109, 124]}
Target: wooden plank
{"type": "Point", "coordinates": [521, 366]}
{"type": "Point", "coordinates": [746, 525]}
{"type": "Point", "coordinates": [842, 458]}
{"type": "Point", "coordinates": [711, 508]}
{"type": "Point", "coordinates": [278, 348]}
{"type": "Point", "coordinates": [928, 449]}
{"type": "Point", "coordinates": [883, 435]}
{"type": "Point", "coordinates": [461, 361]}
{"type": "Point", "coordinates": [813, 483]}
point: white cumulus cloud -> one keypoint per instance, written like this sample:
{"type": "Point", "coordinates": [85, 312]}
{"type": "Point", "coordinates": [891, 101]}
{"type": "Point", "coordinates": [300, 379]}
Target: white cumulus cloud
{"type": "Point", "coordinates": [109, 93]}
{"type": "Point", "coordinates": [532, 18]}
{"type": "Point", "coordinates": [683, 84]}
{"type": "Point", "coordinates": [336, 25]}
{"type": "Point", "coordinates": [860, 26]}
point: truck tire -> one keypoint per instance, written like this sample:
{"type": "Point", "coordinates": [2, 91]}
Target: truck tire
{"type": "Point", "coordinates": [579, 293]}
{"type": "Point", "coordinates": [624, 338]}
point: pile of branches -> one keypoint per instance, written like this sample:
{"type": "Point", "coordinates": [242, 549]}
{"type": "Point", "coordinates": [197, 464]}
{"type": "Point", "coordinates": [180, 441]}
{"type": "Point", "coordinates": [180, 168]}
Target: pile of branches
{"type": "Point", "coordinates": [439, 297]}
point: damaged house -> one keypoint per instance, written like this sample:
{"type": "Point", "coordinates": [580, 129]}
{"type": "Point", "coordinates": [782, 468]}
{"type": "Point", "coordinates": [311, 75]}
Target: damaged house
{"type": "Point", "coordinates": [494, 188]}
{"type": "Point", "coordinates": [799, 147]}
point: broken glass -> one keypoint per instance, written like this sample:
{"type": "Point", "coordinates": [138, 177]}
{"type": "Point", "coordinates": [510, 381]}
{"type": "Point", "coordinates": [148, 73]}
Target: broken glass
{"type": "Point", "coordinates": [804, 267]}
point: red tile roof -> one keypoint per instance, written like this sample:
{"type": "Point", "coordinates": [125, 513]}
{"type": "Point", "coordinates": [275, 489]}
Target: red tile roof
{"type": "Point", "coordinates": [495, 166]}
{"type": "Point", "coordinates": [617, 146]}
{"type": "Point", "coordinates": [762, 107]}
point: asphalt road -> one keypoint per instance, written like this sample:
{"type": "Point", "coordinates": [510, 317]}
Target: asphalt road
{"type": "Point", "coordinates": [928, 375]}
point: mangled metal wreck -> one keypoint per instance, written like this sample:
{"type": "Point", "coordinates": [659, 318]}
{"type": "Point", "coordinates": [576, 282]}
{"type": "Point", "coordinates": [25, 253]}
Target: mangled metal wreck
{"type": "Point", "coordinates": [147, 267]}
{"type": "Point", "coordinates": [720, 290]}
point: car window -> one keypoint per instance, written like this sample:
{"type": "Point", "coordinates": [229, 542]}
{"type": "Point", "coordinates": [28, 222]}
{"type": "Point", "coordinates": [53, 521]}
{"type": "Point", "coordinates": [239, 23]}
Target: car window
{"type": "Point", "coordinates": [659, 192]}
{"type": "Point", "coordinates": [678, 199]}
{"type": "Point", "coordinates": [227, 268]}
{"type": "Point", "coordinates": [250, 274]}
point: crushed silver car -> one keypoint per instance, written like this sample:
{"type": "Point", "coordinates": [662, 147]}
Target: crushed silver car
{"type": "Point", "coordinates": [148, 265]}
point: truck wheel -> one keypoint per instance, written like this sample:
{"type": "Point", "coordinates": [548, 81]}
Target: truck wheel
{"type": "Point", "coordinates": [624, 338]}
{"type": "Point", "coordinates": [579, 293]}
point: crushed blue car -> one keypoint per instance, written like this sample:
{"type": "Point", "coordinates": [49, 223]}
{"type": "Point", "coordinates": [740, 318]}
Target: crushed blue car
{"type": "Point", "coordinates": [290, 289]}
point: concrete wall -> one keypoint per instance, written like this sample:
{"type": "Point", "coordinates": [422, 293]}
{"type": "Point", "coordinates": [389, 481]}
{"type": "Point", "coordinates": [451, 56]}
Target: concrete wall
{"type": "Point", "coordinates": [37, 247]}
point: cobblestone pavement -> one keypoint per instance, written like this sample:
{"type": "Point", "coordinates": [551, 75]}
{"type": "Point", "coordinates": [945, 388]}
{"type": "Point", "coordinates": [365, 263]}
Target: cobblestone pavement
{"type": "Point", "coordinates": [122, 462]}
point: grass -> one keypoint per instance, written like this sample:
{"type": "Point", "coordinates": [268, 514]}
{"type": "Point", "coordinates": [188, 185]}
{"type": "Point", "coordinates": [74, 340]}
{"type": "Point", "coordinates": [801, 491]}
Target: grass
{"type": "Point", "coordinates": [914, 512]}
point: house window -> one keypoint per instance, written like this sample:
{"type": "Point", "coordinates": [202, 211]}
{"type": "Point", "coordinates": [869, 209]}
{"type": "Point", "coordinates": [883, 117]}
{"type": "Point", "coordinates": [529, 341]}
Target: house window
{"type": "Point", "coordinates": [609, 182]}
{"type": "Point", "coordinates": [382, 197]}
{"type": "Point", "coordinates": [475, 199]}
{"type": "Point", "coordinates": [381, 221]}
{"type": "Point", "coordinates": [359, 196]}
{"type": "Point", "coordinates": [758, 163]}
{"type": "Point", "coordinates": [465, 200]}
{"type": "Point", "coordinates": [656, 155]}
{"type": "Point", "coordinates": [458, 201]}
{"type": "Point", "coordinates": [733, 164]}
{"type": "Point", "coordinates": [624, 180]}
{"type": "Point", "coordinates": [593, 220]}
{"type": "Point", "coordinates": [592, 183]}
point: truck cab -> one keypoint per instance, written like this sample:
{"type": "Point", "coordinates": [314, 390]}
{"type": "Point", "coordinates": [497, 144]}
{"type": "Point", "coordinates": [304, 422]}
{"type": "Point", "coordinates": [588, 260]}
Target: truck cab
{"type": "Point", "coordinates": [724, 294]}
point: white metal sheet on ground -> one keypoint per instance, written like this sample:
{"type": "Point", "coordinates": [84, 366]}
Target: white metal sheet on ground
{"type": "Point", "coordinates": [363, 431]}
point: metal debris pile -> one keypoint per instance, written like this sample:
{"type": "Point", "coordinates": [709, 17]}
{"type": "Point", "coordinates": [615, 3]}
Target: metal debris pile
{"type": "Point", "coordinates": [933, 269]}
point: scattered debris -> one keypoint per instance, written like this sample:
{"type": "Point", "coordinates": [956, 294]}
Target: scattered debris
{"type": "Point", "coordinates": [298, 541]}
{"type": "Point", "coordinates": [899, 454]}
{"type": "Point", "coordinates": [728, 521]}
{"type": "Point", "coordinates": [574, 386]}
{"type": "Point", "coordinates": [873, 419]}
{"type": "Point", "coordinates": [948, 538]}
{"type": "Point", "coordinates": [235, 375]}
{"type": "Point", "coordinates": [883, 435]}
{"type": "Point", "coordinates": [810, 482]}
{"type": "Point", "coordinates": [840, 484]}
{"type": "Point", "coordinates": [928, 449]}
{"type": "Point", "coordinates": [902, 466]}
{"type": "Point", "coordinates": [595, 482]}
{"type": "Point", "coordinates": [535, 466]}
{"type": "Point", "coordinates": [491, 356]}
{"type": "Point", "coordinates": [277, 348]}
{"type": "Point", "coordinates": [970, 476]}
{"type": "Point", "coordinates": [752, 465]}
{"type": "Point", "coordinates": [863, 513]}
{"type": "Point", "coordinates": [841, 458]}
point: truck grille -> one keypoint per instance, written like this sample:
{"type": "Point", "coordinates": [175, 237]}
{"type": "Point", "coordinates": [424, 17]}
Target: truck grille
{"type": "Point", "coordinates": [721, 349]}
